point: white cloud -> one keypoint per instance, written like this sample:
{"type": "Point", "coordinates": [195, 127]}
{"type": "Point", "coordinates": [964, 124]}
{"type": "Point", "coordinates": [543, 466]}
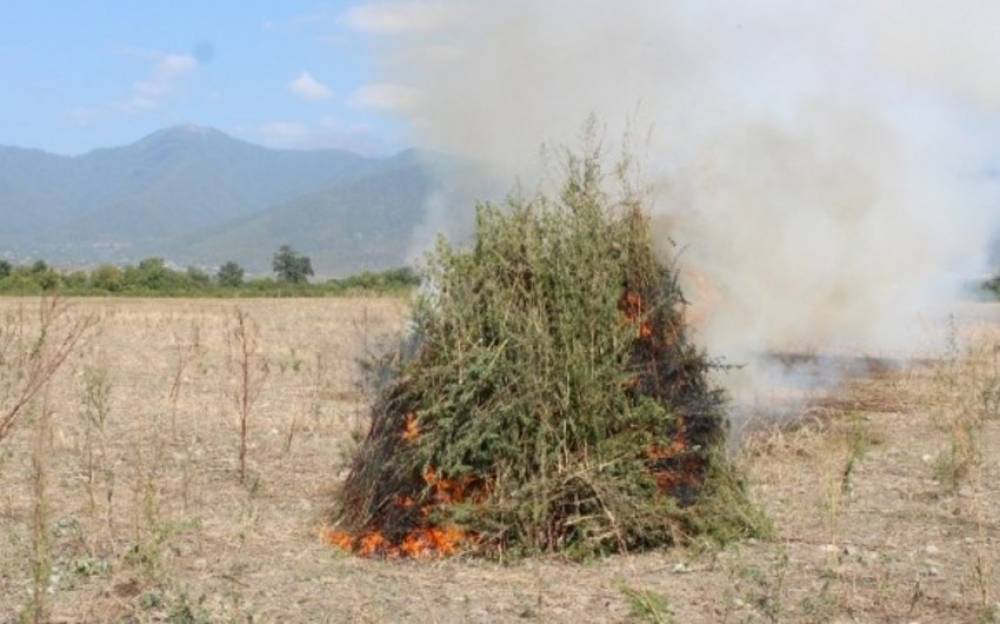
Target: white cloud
{"type": "Point", "coordinates": [176, 64]}
{"type": "Point", "coordinates": [385, 96]}
{"type": "Point", "coordinates": [308, 88]}
{"type": "Point", "coordinates": [398, 17]}
{"type": "Point", "coordinates": [161, 84]}
{"type": "Point", "coordinates": [167, 71]}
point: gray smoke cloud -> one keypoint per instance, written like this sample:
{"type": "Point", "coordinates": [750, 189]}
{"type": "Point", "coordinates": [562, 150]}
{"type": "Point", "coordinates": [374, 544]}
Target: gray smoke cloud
{"type": "Point", "coordinates": [821, 163]}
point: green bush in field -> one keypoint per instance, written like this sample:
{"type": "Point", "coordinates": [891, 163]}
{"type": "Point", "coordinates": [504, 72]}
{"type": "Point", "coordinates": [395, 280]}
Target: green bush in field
{"type": "Point", "coordinates": [553, 401]}
{"type": "Point", "coordinates": [107, 277]}
{"type": "Point", "coordinates": [75, 280]}
{"type": "Point", "coordinates": [20, 283]}
{"type": "Point", "coordinates": [152, 277]}
{"type": "Point", "coordinates": [230, 275]}
{"type": "Point", "coordinates": [290, 266]}
{"type": "Point", "coordinates": [197, 278]}
{"type": "Point", "coordinates": [992, 286]}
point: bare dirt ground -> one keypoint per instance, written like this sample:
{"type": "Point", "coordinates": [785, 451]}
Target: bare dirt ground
{"type": "Point", "coordinates": [885, 500]}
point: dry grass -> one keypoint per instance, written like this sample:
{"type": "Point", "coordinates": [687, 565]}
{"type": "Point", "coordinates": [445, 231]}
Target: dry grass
{"type": "Point", "coordinates": [148, 521]}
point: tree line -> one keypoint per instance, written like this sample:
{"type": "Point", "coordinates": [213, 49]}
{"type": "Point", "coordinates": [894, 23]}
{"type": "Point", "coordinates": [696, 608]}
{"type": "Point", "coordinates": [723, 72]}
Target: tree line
{"type": "Point", "coordinates": [153, 276]}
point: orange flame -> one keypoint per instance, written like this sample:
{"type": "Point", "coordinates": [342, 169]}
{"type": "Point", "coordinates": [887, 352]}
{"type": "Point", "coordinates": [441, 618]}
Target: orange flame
{"type": "Point", "coordinates": [423, 541]}
{"type": "Point", "coordinates": [411, 429]}
{"type": "Point", "coordinates": [631, 305]}
{"type": "Point", "coordinates": [340, 539]}
{"type": "Point", "coordinates": [371, 544]}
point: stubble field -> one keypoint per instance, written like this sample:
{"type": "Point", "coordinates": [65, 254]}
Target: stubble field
{"type": "Point", "coordinates": [121, 498]}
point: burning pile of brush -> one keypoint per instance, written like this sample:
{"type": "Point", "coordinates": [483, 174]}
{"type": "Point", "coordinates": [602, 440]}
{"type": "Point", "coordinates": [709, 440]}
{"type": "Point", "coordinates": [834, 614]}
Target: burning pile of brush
{"type": "Point", "coordinates": [553, 401]}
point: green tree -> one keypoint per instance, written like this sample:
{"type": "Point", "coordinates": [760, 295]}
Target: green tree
{"type": "Point", "coordinates": [48, 279]}
{"type": "Point", "coordinates": [152, 274]}
{"type": "Point", "coordinates": [75, 280]}
{"type": "Point", "coordinates": [291, 266]}
{"type": "Point", "coordinates": [5, 268]}
{"type": "Point", "coordinates": [107, 277]}
{"type": "Point", "coordinates": [197, 277]}
{"type": "Point", "coordinates": [230, 275]}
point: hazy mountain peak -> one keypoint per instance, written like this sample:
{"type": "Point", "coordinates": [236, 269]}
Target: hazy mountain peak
{"type": "Point", "coordinates": [187, 131]}
{"type": "Point", "coordinates": [187, 134]}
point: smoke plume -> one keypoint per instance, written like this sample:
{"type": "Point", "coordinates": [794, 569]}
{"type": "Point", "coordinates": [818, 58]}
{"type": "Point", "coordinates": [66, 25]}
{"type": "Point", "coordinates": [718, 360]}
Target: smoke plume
{"type": "Point", "coordinates": [823, 165]}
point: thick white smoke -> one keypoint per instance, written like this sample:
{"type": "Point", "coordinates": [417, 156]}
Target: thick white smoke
{"type": "Point", "coordinates": [822, 163]}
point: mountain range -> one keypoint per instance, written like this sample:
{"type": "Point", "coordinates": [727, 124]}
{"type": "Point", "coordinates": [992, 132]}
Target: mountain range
{"type": "Point", "coordinates": [195, 195]}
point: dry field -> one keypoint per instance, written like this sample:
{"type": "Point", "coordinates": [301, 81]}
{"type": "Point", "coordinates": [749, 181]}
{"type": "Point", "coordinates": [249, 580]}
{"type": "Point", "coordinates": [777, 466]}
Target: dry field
{"type": "Point", "coordinates": [121, 499]}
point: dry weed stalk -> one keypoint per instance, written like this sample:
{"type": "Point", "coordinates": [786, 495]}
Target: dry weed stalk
{"type": "Point", "coordinates": [41, 555]}
{"type": "Point", "coordinates": [252, 372]}
{"type": "Point", "coordinates": [186, 354]}
{"type": "Point", "coordinates": [94, 413]}
{"type": "Point", "coordinates": [28, 363]}
{"type": "Point", "coordinates": [969, 383]}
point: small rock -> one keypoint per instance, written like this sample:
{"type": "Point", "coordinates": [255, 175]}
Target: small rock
{"type": "Point", "coordinates": [931, 549]}
{"type": "Point", "coordinates": [680, 568]}
{"type": "Point", "coordinates": [927, 459]}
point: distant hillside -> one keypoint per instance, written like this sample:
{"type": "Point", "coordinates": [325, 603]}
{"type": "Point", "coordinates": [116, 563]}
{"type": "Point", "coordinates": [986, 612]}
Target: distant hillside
{"type": "Point", "coordinates": [197, 195]}
{"type": "Point", "coordinates": [357, 224]}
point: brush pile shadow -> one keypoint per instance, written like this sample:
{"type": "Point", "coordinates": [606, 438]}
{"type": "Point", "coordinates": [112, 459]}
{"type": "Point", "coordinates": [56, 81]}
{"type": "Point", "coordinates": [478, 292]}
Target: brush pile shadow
{"type": "Point", "coordinates": [553, 401]}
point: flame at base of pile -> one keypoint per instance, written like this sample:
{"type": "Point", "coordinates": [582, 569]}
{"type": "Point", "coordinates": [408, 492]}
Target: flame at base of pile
{"type": "Point", "coordinates": [425, 541]}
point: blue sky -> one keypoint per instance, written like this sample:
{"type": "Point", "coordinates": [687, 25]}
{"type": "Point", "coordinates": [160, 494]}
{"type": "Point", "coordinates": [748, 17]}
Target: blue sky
{"type": "Point", "coordinates": [81, 75]}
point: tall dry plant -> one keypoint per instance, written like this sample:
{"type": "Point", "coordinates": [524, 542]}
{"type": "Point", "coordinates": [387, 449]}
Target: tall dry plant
{"type": "Point", "coordinates": [251, 371]}
{"type": "Point", "coordinates": [41, 552]}
{"type": "Point", "coordinates": [95, 410]}
{"type": "Point", "coordinates": [31, 353]}
{"type": "Point", "coordinates": [186, 353]}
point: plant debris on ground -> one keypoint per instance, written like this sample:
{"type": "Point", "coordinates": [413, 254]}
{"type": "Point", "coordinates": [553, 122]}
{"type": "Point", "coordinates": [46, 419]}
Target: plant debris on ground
{"type": "Point", "coordinates": [553, 401]}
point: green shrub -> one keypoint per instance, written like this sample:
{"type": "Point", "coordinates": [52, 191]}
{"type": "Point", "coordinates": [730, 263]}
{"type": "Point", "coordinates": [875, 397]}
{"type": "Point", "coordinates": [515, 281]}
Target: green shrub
{"type": "Point", "coordinates": [198, 278]}
{"type": "Point", "coordinates": [392, 279]}
{"type": "Point", "coordinates": [76, 280]}
{"type": "Point", "coordinates": [992, 286]}
{"type": "Point", "coordinates": [49, 279]}
{"type": "Point", "coordinates": [107, 277]}
{"type": "Point", "coordinates": [151, 274]}
{"type": "Point", "coordinates": [292, 267]}
{"type": "Point", "coordinates": [153, 277]}
{"type": "Point", "coordinates": [553, 401]}
{"type": "Point", "coordinates": [230, 275]}
{"type": "Point", "coordinates": [20, 283]}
